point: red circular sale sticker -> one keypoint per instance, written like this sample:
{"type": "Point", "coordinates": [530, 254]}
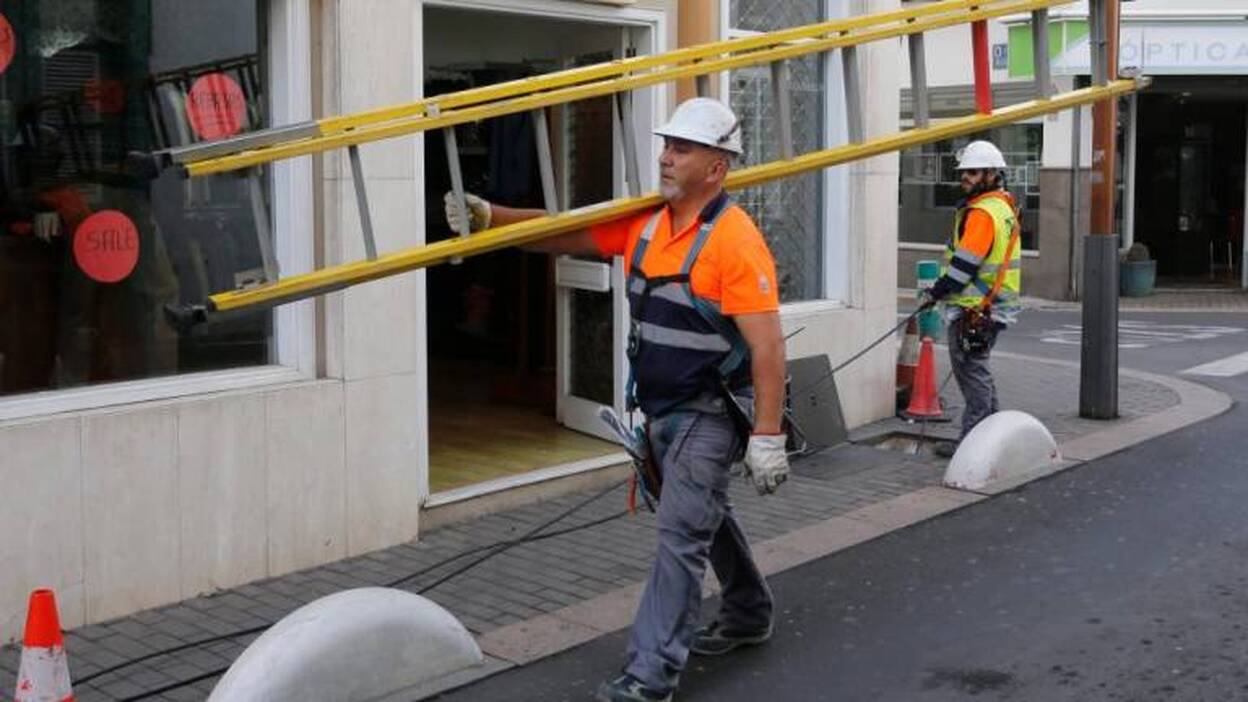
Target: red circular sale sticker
{"type": "Point", "coordinates": [106, 246]}
{"type": "Point", "coordinates": [8, 43]}
{"type": "Point", "coordinates": [216, 106]}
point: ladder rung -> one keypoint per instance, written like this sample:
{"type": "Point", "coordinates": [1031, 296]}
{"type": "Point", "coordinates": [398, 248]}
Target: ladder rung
{"type": "Point", "coordinates": [361, 201]}
{"type": "Point", "coordinates": [623, 108]}
{"type": "Point", "coordinates": [918, 81]}
{"type": "Point", "coordinates": [783, 97]}
{"type": "Point", "coordinates": [545, 161]}
{"type": "Point", "coordinates": [853, 95]}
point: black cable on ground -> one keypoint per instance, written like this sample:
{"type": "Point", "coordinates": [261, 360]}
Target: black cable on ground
{"type": "Point", "coordinates": [531, 536]}
{"type": "Point", "coordinates": [826, 376]}
{"type": "Point", "coordinates": [494, 549]}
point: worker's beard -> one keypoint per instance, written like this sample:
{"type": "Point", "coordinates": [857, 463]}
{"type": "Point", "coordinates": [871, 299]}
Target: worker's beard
{"type": "Point", "coordinates": [671, 191]}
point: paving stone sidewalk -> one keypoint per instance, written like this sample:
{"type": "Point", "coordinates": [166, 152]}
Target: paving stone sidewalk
{"type": "Point", "coordinates": [537, 577]}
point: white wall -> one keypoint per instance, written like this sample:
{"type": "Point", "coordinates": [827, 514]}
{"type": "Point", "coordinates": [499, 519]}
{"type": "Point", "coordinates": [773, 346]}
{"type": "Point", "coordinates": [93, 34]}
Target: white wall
{"type": "Point", "coordinates": [142, 504]}
{"type": "Point", "coordinates": [949, 56]}
{"type": "Point", "coordinates": [866, 387]}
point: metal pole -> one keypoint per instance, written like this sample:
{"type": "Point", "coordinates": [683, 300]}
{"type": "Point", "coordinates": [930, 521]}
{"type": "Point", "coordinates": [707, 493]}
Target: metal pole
{"type": "Point", "coordinates": [1243, 257]}
{"type": "Point", "coordinates": [1040, 53]}
{"type": "Point", "coordinates": [1098, 388]}
{"type": "Point", "coordinates": [1076, 153]}
{"type": "Point", "coordinates": [1129, 158]}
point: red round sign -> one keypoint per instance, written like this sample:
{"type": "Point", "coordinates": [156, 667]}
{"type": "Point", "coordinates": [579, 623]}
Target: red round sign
{"type": "Point", "coordinates": [106, 246]}
{"type": "Point", "coordinates": [216, 106]}
{"type": "Point", "coordinates": [8, 43]}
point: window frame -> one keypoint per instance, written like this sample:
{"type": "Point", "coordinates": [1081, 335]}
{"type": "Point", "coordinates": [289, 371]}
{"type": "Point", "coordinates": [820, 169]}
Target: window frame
{"type": "Point", "coordinates": [903, 245]}
{"type": "Point", "coordinates": [293, 344]}
{"type": "Point", "coordinates": [835, 275]}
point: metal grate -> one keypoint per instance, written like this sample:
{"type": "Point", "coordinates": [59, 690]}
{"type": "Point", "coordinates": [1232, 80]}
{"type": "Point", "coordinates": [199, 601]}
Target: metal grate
{"type": "Point", "coordinates": [788, 212]}
{"type": "Point", "coordinates": [769, 15]}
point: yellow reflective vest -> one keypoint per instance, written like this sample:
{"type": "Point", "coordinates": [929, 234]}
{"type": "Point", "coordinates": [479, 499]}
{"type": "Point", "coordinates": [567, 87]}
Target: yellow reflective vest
{"type": "Point", "coordinates": [1005, 220]}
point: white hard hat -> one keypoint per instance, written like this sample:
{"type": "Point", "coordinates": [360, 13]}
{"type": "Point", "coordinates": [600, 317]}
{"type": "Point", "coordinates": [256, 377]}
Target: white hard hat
{"type": "Point", "coordinates": [704, 121]}
{"type": "Point", "coordinates": [980, 154]}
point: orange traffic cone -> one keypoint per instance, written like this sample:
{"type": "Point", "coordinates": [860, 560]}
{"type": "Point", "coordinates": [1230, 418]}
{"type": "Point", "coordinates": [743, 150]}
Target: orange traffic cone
{"type": "Point", "coordinates": [924, 402]}
{"type": "Point", "coordinates": [44, 672]}
{"type": "Point", "coordinates": [908, 356]}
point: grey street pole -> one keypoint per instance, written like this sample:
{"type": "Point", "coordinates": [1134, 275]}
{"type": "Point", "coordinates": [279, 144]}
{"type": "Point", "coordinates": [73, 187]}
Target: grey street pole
{"type": "Point", "coordinates": [1098, 386]}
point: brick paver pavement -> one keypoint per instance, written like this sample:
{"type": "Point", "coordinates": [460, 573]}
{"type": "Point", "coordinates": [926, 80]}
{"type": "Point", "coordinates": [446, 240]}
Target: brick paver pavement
{"type": "Point", "coordinates": [540, 576]}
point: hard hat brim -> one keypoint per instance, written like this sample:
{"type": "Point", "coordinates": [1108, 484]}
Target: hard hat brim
{"type": "Point", "coordinates": [666, 131]}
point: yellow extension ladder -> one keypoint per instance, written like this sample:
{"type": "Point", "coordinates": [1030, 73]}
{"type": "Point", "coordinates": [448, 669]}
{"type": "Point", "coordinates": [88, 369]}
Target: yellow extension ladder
{"type": "Point", "coordinates": [617, 79]}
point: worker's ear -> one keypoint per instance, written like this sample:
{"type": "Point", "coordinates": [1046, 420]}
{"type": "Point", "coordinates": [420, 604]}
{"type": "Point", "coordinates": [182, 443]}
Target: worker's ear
{"type": "Point", "coordinates": [718, 169]}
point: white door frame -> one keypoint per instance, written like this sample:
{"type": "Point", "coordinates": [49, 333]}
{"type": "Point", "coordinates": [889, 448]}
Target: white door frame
{"type": "Point", "coordinates": [653, 23]}
{"type": "Point", "coordinates": [579, 413]}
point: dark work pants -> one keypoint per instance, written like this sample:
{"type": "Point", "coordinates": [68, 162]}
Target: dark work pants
{"type": "Point", "coordinates": [696, 524]}
{"type": "Point", "coordinates": [974, 377]}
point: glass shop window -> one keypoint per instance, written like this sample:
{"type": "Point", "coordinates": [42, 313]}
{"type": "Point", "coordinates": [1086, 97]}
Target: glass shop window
{"type": "Point", "coordinates": [91, 251]}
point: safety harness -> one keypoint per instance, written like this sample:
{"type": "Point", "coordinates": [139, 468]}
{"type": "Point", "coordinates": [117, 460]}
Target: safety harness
{"type": "Point", "coordinates": [678, 342]}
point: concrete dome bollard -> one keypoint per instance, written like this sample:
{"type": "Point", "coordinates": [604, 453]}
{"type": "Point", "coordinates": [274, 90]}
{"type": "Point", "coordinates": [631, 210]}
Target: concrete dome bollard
{"type": "Point", "coordinates": [363, 644]}
{"type": "Point", "coordinates": [1003, 447]}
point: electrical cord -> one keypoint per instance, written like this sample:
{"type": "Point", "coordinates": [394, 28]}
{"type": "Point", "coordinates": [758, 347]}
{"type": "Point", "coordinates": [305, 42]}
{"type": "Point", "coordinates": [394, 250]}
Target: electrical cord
{"type": "Point", "coordinates": [531, 536]}
{"type": "Point", "coordinates": [493, 549]}
{"type": "Point", "coordinates": [826, 376]}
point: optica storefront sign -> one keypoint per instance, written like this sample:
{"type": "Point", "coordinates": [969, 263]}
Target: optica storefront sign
{"type": "Point", "coordinates": [1156, 48]}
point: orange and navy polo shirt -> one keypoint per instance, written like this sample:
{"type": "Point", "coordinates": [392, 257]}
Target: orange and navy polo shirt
{"type": "Point", "coordinates": [734, 269]}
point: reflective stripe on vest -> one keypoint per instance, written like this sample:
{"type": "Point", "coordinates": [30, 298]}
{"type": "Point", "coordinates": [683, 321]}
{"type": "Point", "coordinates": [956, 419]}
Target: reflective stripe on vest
{"type": "Point", "coordinates": [680, 345]}
{"type": "Point", "coordinates": [1003, 219]}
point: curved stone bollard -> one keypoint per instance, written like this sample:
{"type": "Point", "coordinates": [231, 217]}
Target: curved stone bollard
{"type": "Point", "coordinates": [1003, 447]}
{"type": "Point", "coordinates": [363, 644]}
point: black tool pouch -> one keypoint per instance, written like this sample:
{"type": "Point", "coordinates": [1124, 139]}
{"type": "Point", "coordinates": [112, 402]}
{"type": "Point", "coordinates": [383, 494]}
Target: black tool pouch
{"type": "Point", "coordinates": [976, 331]}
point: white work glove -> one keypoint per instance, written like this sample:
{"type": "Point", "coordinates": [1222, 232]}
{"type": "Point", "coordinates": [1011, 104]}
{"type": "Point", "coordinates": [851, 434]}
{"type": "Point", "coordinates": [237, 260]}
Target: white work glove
{"type": "Point", "coordinates": [766, 461]}
{"type": "Point", "coordinates": [479, 212]}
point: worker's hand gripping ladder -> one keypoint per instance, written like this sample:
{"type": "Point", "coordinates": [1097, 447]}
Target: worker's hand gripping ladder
{"type": "Point", "coordinates": [618, 78]}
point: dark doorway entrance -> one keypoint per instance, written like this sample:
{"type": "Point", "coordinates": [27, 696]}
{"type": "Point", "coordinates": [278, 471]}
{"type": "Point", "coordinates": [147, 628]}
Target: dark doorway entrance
{"type": "Point", "coordinates": [1190, 179]}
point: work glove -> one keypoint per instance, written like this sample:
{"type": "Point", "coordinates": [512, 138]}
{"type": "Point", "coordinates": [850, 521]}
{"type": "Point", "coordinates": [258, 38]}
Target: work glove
{"type": "Point", "coordinates": [479, 212]}
{"type": "Point", "coordinates": [944, 287]}
{"type": "Point", "coordinates": [766, 461]}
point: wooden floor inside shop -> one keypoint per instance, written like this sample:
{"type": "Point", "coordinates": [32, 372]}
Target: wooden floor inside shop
{"type": "Point", "coordinates": [481, 428]}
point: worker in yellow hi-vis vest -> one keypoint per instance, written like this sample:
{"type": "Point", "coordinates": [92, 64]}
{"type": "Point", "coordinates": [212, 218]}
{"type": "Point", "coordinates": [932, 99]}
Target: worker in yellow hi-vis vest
{"type": "Point", "coordinates": [981, 280]}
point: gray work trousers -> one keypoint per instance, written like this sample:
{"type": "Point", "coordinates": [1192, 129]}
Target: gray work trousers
{"type": "Point", "coordinates": [974, 377]}
{"type": "Point", "coordinates": [696, 524]}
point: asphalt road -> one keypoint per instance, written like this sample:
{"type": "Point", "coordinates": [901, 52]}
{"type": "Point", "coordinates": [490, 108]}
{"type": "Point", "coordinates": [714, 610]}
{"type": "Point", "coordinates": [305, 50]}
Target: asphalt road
{"type": "Point", "coordinates": [1123, 579]}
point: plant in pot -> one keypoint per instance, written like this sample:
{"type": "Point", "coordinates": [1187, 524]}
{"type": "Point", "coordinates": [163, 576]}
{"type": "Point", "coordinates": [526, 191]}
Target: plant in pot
{"type": "Point", "coordinates": [1137, 272]}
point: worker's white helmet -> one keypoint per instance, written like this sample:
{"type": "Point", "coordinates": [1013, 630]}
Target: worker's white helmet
{"type": "Point", "coordinates": [704, 121]}
{"type": "Point", "coordinates": [980, 154]}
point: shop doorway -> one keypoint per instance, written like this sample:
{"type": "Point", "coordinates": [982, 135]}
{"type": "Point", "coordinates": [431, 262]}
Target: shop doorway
{"type": "Point", "coordinates": [1190, 181]}
{"type": "Point", "coordinates": [522, 348]}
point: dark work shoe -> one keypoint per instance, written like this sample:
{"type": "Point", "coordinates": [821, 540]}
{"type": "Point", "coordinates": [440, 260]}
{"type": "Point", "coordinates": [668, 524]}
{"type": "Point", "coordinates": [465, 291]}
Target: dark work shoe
{"type": "Point", "coordinates": [626, 688]}
{"type": "Point", "coordinates": [715, 639]}
{"type": "Point", "coordinates": [946, 449]}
